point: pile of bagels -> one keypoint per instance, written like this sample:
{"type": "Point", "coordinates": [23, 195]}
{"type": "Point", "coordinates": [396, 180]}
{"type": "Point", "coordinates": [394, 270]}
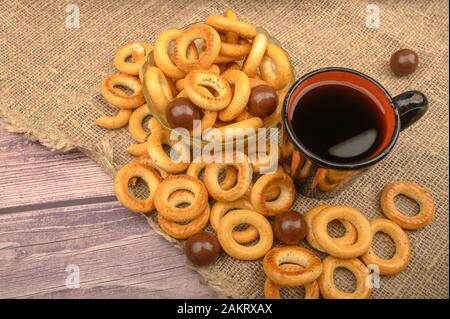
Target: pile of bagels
{"type": "Point", "coordinates": [290, 266]}
{"type": "Point", "coordinates": [217, 77]}
{"type": "Point", "coordinates": [187, 197]}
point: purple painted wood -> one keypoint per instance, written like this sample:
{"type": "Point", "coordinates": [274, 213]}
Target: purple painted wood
{"type": "Point", "coordinates": [32, 174]}
{"type": "Point", "coordinates": [117, 253]}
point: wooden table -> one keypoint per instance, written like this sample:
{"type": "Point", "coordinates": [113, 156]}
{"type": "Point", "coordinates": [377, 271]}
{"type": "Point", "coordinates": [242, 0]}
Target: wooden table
{"type": "Point", "coordinates": [58, 215]}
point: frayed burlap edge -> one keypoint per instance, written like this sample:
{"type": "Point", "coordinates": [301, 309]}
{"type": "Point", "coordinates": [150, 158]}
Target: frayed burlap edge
{"type": "Point", "coordinates": [216, 282]}
{"type": "Point", "coordinates": [50, 140]}
{"type": "Point", "coordinates": [54, 143]}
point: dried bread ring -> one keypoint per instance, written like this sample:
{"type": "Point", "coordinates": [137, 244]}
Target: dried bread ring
{"type": "Point", "coordinates": [327, 179]}
{"type": "Point", "coordinates": [237, 130]}
{"type": "Point", "coordinates": [400, 260]}
{"type": "Point", "coordinates": [135, 123]}
{"type": "Point", "coordinates": [244, 178]}
{"type": "Point", "coordinates": [272, 290]}
{"type": "Point", "coordinates": [183, 93]}
{"type": "Point", "coordinates": [154, 125]}
{"type": "Point", "coordinates": [158, 88]}
{"type": "Point", "coordinates": [327, 286]}
{"type": "Point", "coordinates": [282, 203]}
{"type": "Point", "coordinates": [206, 57]}
{"type": "Point", "coordinates": [220, 123]}
{"type": "Point", "coordinates": [138, 54]}
{"type": "Point", "coordinates": [229, 180]}
{"type": "Point", "coordinates": [175, 183]}
{"type": "Point", "coordinates": [415, 192]}
{"type": "Point", "coordinates": [162, 57]}
{"type": "Point", "coordinates": [231, 37]}
{"type": "Point", "coordinates": [179, 84]}
{"type": "Point", "coordinates": [214, 68]}
{"type": "Point", "coordinates": [244, 115]}
{"type": "Point", "coordinates": [224, 24]}
{"type": "Point", "coordinates": [256, 55]}
{"type": "Point", "coordinates": [236, 250]}
{"type": "Point", "coordinates": [147, 161]}
{"type": "Point", "coordinates": [290, 277]}
{"type": "Point", "coordinates": [183, 231]}
{"type": "Point", "coordinates": [125, 197]}
{"type": "Point", "coordinates": [192, 52]}
{"type": "Point", "coordinates": [211, 80]}
{"type": "Point", "coordinates": [119, 98]}
{"type": "Point", "coordinates": [262, 163]}
{"type": "Point", "coordinates": [227, 59]}
{"type": "Point", "coordinates": [347, 239]}
{"type": "Point", "coordinates": [261, 160]}
{"type": "Point", "coordinates": [114, 122]}
{"type": "Point", "coordinates": [236, 49]}
{"type": "Point", "coordinates": [172, 86]}
{"type": "Point", "coordinates": [241, 94]}
{"type": "Point", "coordinates": [208, 119]}
{"type": "Point", "coordinates": [230, 66]}
{"type": "Point", "coordinates": [220, 209]}
{"type": "Point", "coordinates": [138, 149]}
{"type": "Point", "coordinates": [257, 81]}
{"type": "Point", "coordinates": [272, 192]}
{"type": "Point", "coordinates": [156, 152]}
{"type": "Point", "coordinates": [353, 216]}
{"type": "Point", "coordinates": [276, 56]}
{"type": "Point", "coordinates": [141, 149]}
{"type": "Point", "coordinates": [161, 54]}
{"type": "Point", "coordinates": [138, 51]}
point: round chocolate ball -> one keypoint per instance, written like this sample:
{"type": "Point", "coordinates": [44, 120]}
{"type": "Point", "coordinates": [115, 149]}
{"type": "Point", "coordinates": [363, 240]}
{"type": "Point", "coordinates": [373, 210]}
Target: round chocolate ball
{"type": "Point", "coordinates": [202, 248]}
{"type": "Point", "coordinates": [404, 62]}
{"type": "Point", "coordinates": [263, 100]}
{"type": "Point", "coordinates": [290, 227]}
{"type": "Point", "coordinates": [181, 112]}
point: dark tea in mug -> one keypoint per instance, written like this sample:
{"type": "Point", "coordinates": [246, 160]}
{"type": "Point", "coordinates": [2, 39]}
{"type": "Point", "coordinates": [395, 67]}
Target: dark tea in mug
{"type": "Point", "coordinates": [339, 122]}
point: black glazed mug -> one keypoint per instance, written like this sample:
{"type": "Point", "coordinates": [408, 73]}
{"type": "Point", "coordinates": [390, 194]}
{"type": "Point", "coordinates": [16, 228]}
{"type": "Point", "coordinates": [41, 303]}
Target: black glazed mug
{"type": "Point", "coordinates": [318, 177]}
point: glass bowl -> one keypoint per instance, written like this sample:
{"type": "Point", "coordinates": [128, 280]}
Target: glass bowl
{"type": "Point", "coordinates": [195, 140]}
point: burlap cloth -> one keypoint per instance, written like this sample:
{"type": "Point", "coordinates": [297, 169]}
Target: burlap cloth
{"type": "Point", "coordinates": [50, 90]}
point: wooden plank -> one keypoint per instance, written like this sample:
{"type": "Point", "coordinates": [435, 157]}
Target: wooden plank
{"type": "Point", "coordinates": [117, 254]}
{"type": "Point", "coordinates": [31, 174]}
{"type": "Point", "coordinates": [58, 209]}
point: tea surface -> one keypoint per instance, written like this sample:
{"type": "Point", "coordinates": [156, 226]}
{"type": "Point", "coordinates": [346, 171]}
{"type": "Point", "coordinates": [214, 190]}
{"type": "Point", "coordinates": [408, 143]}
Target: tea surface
{"type": "Point", "coordinates": [338, 122]}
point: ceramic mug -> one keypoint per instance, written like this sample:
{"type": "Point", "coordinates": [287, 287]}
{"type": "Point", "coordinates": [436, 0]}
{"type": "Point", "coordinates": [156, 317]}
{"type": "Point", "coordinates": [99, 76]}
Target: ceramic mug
{"type": "Point", "coordinates": [318, 177]}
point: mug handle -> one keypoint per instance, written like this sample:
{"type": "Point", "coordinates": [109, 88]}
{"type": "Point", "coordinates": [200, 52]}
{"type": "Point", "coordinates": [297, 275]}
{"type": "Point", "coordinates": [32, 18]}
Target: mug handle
{"type": "Point", "coordinates": [411, 106]}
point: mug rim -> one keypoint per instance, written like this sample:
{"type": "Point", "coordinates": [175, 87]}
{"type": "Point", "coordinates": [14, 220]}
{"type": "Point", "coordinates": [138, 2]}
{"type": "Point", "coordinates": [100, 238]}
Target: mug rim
{"type": "Point", "coordinates": [323, 162]}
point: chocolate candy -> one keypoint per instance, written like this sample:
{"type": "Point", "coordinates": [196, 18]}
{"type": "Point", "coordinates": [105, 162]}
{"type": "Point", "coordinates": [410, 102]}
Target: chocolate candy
{"type": "Point", "coordinates": [202, 249]}
{"type": "Point", "coordinates": [181, 112]}
{"type": "Point", "coordinates": [404, 62]}
{"type": "Point", "coordinates": [263, 100]}
{"type": "Point", "coordinates": [290, 227]}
